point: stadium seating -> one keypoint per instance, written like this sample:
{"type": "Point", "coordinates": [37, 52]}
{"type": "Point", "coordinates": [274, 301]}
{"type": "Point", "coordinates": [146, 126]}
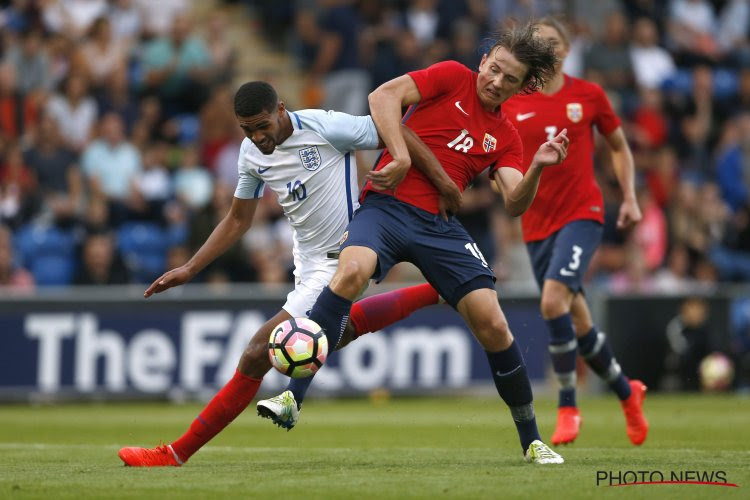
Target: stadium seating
{"type": "Point", "coordinates": [48, 252]}
{"type": "Point", "coordinates": [143, 246]}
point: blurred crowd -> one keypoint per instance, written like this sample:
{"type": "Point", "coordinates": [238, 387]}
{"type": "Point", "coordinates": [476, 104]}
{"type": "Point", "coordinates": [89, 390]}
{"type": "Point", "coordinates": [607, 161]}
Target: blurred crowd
{"type": "Point", "coordinates": [118, 143]}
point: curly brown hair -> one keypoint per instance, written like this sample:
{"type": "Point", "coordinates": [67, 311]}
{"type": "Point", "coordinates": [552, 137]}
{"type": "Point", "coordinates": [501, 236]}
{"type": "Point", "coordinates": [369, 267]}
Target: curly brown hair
{"type": "Point", "coordinates": [536, 54]}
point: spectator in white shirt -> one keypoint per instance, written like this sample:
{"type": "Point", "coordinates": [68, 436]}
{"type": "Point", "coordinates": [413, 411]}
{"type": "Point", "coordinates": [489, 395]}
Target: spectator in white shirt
{"type": "Point", "coordinates": [74, 111]}
{"type": "Point", "coordinates": [652, 64]}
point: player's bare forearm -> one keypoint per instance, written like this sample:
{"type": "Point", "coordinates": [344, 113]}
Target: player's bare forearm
{"type": "Point", "coordinates": [519, 198]}
{"type": "Point", "coordinates": [519, 190]}
{"type": "Point", "coordinates": [424, 160]}
{"type": "Point", "coordinates": [624, 166]}
{"type": "Point", "coordinates": [225, 234]}
{"type": "Point", "coordinates": [622, 162]}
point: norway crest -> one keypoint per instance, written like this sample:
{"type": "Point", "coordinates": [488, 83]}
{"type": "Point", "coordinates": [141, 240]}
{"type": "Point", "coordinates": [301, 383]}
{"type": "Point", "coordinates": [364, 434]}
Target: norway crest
{"type": "Point", "coordinates": [489, 143]}
{"type": "Point", "coordinates": [575, 111]}
{"type": "Point", "coordinates": [310, 157]}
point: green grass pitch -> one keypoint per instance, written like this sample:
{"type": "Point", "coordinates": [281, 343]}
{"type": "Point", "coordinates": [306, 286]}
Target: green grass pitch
{"type": "Point", "coordinates": [399, 448]}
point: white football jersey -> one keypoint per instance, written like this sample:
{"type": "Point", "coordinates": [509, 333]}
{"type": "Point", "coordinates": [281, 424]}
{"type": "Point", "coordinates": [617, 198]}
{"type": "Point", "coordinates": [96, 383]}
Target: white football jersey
{"type": "Point", "coordinates": [314, 174]}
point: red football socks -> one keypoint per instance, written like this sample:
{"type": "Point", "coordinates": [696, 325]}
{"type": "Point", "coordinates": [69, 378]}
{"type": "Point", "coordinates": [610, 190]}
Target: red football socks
{"type": "Point", "coordinates": [229, 402]}
{"type": "Point", "coordinates": [377, 312]}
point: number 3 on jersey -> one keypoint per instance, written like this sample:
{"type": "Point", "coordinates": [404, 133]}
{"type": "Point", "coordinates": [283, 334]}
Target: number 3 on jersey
{"type": "Point", "coordinates": [463, 142]}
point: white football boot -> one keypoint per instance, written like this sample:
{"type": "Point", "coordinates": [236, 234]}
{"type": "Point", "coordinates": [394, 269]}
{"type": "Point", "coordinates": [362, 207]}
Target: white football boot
{"type": "Point", "coordinates": [281, 409]}
{"type": "Point", "coordinates": [540, 453]}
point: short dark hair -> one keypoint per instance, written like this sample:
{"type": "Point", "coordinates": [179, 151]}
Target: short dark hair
{"type": "Point", "coordinates": [538, 55]}
{"type": "Point", "coordinates": [255, 97]}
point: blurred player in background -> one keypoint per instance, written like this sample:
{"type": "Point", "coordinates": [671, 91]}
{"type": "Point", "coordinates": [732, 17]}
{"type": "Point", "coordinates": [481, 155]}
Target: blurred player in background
{"type": "Point", "coordinates": [305, 158]}
{"type": "Point", "coordinates": [563, 227]}
{"type": "Point", "coordinates": [456, 112]}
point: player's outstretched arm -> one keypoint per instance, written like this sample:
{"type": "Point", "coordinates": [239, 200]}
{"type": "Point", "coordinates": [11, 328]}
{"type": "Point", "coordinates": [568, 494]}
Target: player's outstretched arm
{"type": "Point", "coordinates": [386, 103]}
{"type": "Point", "coordinates": [624, 166]}
{"type": "Point", "coordinates": [237, 221]}
{"type": "Point", "coordinates": [519, 190]}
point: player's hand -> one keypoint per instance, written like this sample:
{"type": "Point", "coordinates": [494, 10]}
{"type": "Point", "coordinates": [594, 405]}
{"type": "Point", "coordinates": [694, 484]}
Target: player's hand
{"type": "Point", "coordinates": [553, 152]}
{"type": "Point", "coordinates": [630, 214]}
{"type": "Point", "coordinates": [390, 176]}
{"type": "Point", "coordinates": [175, 277]}
{"type": "Point", "coordinates": [450, 200]}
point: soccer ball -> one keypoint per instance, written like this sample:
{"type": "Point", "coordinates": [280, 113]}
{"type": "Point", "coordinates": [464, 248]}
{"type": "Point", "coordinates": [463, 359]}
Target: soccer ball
{"type": "Point", "coordinates": [716, 372]}
{"type": "Point", "coordinates": [298, 347]}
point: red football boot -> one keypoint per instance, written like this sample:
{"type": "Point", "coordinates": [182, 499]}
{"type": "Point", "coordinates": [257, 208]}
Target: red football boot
{"type": "Point", "coordinates": [568, 425]}
{"type": "Point", "coordinates": [637, 425]}
{"type": "Point", "coordinates": [161, 456]}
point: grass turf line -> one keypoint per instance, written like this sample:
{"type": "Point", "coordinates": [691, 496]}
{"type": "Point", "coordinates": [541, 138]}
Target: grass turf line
{"type": "Point", "coordinates": [402, 448]}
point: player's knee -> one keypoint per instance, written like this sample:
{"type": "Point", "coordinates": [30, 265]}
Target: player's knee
{"type": "Point", "coordinates": [349, 279]}
{"type": "Point", "coordinates": [495, 335]}
{"type": "Point", "coordinates": [553, 306]}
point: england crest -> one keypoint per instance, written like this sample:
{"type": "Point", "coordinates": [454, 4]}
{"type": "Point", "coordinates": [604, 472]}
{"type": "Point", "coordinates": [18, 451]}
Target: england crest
{"type": "Point", "coordinates": [310, 157]}
{"type": "Point", "coordinates": [575, 111]}
{"type": "Point", "coordinates": [489, 143]}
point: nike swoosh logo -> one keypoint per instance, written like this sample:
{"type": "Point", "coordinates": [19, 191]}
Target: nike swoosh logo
{"type": "Point", "coordinates": [458, 105]}
{"type": "Point", "coordinates": [524, 116]}
{"type": "Point", "coordinates": [565, 272]}
{"type": "Point", "coordinates": [261, 170]}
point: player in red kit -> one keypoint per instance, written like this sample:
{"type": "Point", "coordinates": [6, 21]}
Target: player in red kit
{"type": "Point", "coordinates": [456, 113]}
{"type": "Point", "coordinates": [563, 226]}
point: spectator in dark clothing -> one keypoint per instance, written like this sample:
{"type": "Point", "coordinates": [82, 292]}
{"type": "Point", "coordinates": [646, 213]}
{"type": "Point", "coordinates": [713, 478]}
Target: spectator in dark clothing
{"type": "Point", "coordinates": [689, 342]}
{"type": "Point", "coordinates": [101, 264]}
{"type": "Point", "coordinates": [337, 64]}
{"type": "Point", "coordinates": [608, 63]}
{"type": "Point", "coordinates": [56, 171]}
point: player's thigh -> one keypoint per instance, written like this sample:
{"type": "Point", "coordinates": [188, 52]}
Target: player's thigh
{"type": "Point", "coordinates": [379, 225]}
{"type": "Point", "coordinates": [573, 248]}
{"type": "Point", "coordinates": [449, 259]}
{"type": "Point", "coordinates": [482, 313]}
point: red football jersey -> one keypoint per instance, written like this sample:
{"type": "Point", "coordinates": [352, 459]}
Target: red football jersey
{"type": "Point", "coordinates": [464, 137]}
{"type": "Point", "coordinates": [568, 191]}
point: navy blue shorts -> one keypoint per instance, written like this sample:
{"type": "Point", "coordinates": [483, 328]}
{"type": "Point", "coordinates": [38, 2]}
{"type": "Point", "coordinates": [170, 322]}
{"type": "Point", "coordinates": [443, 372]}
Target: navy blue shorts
{"type": "Point", "coordinates": [443, 250]}
{"type": "Point", "coordinates": [565, 255]}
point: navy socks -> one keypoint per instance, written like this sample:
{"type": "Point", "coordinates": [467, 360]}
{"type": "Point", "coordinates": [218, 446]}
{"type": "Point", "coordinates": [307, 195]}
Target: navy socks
{"type": "Point", "coordinates": [563, 351]}
{"type": "Point", "coordinates": [331, 312]}
{"type": "Point", "coordinates": [512, 382]}
{"type": "Point", "coordinates": [597, 353]}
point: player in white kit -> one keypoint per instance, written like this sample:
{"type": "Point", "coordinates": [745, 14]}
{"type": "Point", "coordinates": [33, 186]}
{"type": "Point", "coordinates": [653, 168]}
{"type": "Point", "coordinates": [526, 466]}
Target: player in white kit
{"type": "Point", "coordinates": [306, 158]}
{"type": "Point", "coordinates": [314, 175]}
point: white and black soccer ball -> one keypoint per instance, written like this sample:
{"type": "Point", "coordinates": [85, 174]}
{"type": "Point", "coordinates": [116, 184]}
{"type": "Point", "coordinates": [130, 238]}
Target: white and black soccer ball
{"type": "Point", "coordinates": [298, 347]}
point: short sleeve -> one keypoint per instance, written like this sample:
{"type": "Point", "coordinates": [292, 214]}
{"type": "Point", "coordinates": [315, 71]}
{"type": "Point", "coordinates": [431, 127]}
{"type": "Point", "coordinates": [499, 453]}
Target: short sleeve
{"type": "Point", "coordinates": [438, 79]}
{"type": "Point", "coordinates": [343, 131]}
{"type": "Point", "coordinates": [606, 120]}
{"type": "Point", "coordinates": [249, 186]}
{"type": "Point", "coordinates": [512, 154]}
